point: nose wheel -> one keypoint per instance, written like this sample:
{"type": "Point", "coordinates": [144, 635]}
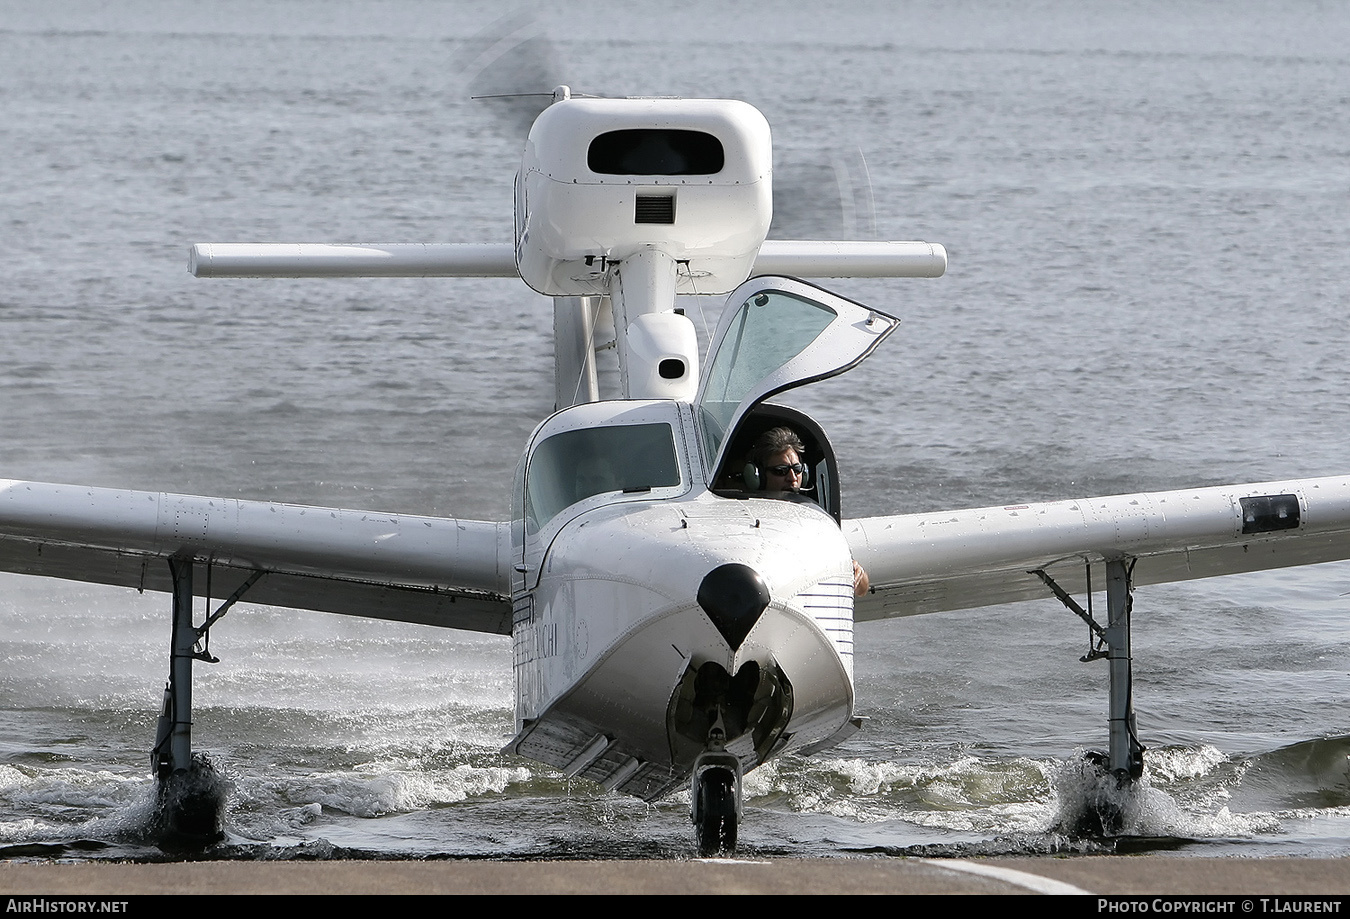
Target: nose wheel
{"type": "Point", "coordinates": [716, 823]}
{"type": "Point", "coordinates": [715, 803]}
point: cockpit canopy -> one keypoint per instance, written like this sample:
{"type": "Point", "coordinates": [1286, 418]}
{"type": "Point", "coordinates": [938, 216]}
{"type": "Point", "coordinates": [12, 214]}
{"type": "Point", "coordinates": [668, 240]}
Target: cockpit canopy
{"type": "Point", "coordinates": [600, 453]}
{"type": "Point", "coordinates": [776, 333]}
{"type": "Point", "coordinates": [572, 466]}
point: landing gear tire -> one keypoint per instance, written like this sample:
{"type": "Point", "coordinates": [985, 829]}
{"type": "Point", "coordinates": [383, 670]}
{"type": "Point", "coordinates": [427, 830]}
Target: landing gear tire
{"type": "Point", "coordinates": [1103, 814]}
{"type": "Point", "coordinates": [715, 822]}
{"type": "Point", "coordinates": [191, 807]}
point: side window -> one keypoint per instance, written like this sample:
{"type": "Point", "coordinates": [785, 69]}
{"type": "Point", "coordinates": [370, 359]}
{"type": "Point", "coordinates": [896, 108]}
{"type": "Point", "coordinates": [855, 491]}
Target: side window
{"type": "Point", "coordinates": [574, 465]}
{"type": "Point", "coordinates": [823, 485]}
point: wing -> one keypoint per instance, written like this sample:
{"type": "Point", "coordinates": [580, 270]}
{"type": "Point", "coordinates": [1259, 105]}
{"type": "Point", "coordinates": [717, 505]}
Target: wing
{"type": "Point", "coordinates": [926, 563]}
{"type": "Point", "coordinates": [432, 570]}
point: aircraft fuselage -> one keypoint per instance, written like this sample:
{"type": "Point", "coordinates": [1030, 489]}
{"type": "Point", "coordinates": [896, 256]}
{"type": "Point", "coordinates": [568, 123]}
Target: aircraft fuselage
{"type": "Point", "coordinates": [643, 626]}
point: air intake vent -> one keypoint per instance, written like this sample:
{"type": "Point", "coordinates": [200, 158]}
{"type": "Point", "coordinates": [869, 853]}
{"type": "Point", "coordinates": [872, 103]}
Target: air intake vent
{"type": "Point", "coordinates": [654, 209]}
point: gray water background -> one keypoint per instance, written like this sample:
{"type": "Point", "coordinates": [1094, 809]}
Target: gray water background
{"type": "Point", "coordinates": [1145, 214]}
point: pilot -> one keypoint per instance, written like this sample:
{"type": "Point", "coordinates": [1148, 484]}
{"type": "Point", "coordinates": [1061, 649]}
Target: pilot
{"type": "Point", "coordinates": [776, 458]}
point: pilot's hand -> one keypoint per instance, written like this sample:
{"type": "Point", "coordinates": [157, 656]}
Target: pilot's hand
{"type": "Point", "coordinates": [860, 580]}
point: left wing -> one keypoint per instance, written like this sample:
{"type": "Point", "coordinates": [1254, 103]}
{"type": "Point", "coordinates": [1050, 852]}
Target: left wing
{"type": "Point", "coordinates": [927, 563]}
{"type": "Point", "coordinates": [433, 570]}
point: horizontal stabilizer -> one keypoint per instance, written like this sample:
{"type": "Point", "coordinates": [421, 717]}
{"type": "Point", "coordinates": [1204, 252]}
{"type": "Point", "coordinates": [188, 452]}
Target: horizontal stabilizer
{"type": "Point", "coordinates": [810, 258]}
{"type": "Point", "coordinates": [316, 260]}
{"type": "Point", "coordinates": [795, 258]}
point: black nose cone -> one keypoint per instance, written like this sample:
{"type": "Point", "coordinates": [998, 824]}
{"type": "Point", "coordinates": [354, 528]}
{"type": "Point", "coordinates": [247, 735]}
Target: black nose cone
{"type": "Point", "coordinates": [733, 596]}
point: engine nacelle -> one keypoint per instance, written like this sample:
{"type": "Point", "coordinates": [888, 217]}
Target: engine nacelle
{"type": "Point", "coordinates": [603, 178]}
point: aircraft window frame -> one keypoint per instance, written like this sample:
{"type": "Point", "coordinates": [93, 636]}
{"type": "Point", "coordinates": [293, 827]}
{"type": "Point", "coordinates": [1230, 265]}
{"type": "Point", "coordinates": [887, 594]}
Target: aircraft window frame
{"type": "Point", "coordinates": [823, 491]}
{"type": "Point", "coordinates": [771, 340]}
{"type": "Point", "coordinates": [656, 152]}
{"type": "Point", "coordinates": [565, 452]}
{"type": "Point", "coordinates": [847, 339]}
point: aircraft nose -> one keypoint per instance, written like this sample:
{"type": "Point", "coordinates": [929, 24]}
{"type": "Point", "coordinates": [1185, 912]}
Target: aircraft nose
{"type": "Point", "coordinates": [733, 596]}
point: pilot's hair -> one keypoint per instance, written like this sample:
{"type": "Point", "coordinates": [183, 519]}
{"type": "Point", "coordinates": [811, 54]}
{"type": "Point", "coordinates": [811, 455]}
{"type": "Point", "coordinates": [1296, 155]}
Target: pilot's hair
{"type": "Point", "coordinates": [775, 441]}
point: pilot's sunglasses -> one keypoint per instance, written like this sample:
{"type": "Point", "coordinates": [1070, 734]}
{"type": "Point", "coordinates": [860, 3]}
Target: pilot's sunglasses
{"type": "Point", "coordinates": [784, 469]}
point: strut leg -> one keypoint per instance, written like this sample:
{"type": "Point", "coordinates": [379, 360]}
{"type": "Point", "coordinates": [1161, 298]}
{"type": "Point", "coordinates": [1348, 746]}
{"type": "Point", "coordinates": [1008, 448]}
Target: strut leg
{"type": "Point", "coordinates": [1113, 772]}
{"type": "Point", "coordinates": [180, 666]}
{"type": "Point", "coordinates": [173, 738]}
{"type": "Point", "coordinates": [1125, 756]}
{"type": "Point", "coordinates": [191, 795]}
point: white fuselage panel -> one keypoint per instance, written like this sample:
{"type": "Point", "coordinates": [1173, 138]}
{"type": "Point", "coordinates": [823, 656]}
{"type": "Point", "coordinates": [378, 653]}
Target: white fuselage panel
{"type": "Point", "coordinates": [606, 644]}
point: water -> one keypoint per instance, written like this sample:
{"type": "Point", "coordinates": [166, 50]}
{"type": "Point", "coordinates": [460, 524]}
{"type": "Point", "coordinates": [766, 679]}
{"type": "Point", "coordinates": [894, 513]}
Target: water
{"type": "Point", "coordinates": [1145, 216]}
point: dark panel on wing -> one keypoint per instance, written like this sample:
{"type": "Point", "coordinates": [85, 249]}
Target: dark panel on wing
{"type": "Point", "coordinates": [1269, 513]}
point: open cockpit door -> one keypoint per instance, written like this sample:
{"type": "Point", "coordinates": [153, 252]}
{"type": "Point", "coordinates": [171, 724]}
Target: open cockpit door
{"type": "Point", "coordinates": [775, 334]}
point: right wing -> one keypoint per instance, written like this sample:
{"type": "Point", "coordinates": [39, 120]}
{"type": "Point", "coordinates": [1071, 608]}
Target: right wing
{"type": "Point", "coordinates": [431, 570]}
{"type": "Point", "coordinates": [928, 563]}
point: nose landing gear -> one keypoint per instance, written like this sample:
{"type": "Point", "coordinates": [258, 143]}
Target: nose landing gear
{"type": "Point", "coordinates": [712, 710]}
{"type": "Point", "coordinates": [715, 800]}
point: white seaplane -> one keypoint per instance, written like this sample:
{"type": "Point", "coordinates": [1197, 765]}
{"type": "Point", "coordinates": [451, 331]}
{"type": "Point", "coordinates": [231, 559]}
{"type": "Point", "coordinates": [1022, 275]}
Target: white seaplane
{"type": "Point", "coordinates": [673, 624]}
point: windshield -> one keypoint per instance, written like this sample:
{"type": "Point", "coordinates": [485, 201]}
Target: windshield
{"type": "Point", "coordinates": [769, 330]}
{"type": "Point", "coordinates": [574, 465]}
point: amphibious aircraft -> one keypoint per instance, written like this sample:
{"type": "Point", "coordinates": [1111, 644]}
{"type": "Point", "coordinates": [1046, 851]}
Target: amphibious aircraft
{"type": "Point", "coordinates": [673, 623]}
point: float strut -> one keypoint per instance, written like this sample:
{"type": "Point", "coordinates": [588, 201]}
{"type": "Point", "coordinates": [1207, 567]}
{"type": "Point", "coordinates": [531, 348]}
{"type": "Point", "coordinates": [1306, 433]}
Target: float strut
{"type": "Point", "coordinates": [1125, 755]}
{"type": "Point", "coordinates": [191, 795]}
{"type": "Point", "coordinates": [1114, 772]}
{"type": "Point", "coordinates": [173, 743]}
